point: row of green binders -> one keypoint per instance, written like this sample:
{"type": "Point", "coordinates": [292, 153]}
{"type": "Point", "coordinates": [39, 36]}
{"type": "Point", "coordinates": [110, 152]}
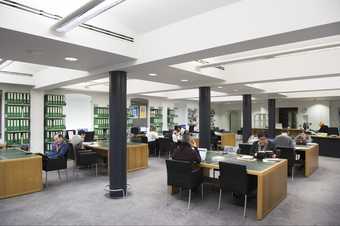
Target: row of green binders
{"type": "Point", "coordinates": [54, 111]}
{"type": "Point", "coordinates": [56, 99]}
{"type": "Point", "coordinates": [18, 138]}
{"type": "Point", "coordinates": [55, 124]}
{"type": "Point", "coordinates": [17, 124]}
{"type": "Point", "coordinates": [18, 98]}
{"type": "Point", "coordinates": [101, 123]}
{"type": "Point", "coordinates": [101, 134]}
{"type": "Point", "coordinates": [101, 112]}
{"type": "Point", "coordinates": [17, 111]}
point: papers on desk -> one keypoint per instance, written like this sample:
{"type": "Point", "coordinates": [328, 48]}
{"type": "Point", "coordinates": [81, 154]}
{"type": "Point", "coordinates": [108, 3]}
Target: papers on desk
{"type": "Point", "coordinates": [271, 160]}
{"type": "Point", "coordinates": [248, 158]}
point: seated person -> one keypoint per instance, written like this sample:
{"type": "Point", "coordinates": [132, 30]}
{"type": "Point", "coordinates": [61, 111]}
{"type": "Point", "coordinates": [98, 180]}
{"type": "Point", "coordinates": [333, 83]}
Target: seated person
{"type": "Point", "coordinates": [284, 140]}
{"type": "Point", "coordinates": [152, 135]}
{"type": "Point", "coordinates": [62, 148]}
{"type": "Point", "coordinates": [185, 152]}
{"type": "Point", "coordinates": [55, 144]}
{"type": "Point", "coordinates": [302, 139]}
{"type": "Point", "coordinates": [263, 144]}
{"type": "Point", "coordinates": [176, 134]}
{"type": "Point", "coordinates": [77, 140]}
{"type": "Point", "coordinates": [323, 128]}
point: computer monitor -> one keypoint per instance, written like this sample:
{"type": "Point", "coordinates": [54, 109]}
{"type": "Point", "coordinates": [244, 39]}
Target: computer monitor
{"type": "Point", "coordinates": [89, 136]}
{"type": "Point", "coordinates": [143, 129]}
{"type": "Point", "coordinates": [134, 130]}
{"type": "Point", "coordinates": [203, 153]}
{"type": "Point", "coordinates": [333, 131]}
{"type": "Point", "coordinates": [245, 149]}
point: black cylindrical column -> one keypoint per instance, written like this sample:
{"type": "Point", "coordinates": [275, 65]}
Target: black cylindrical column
{"type": "Point", "coordinates": [271, 118]}
{"type": "Point", "coordinates": [117, 152]}
{"type": "Point", "coordinates": [204, 117]}
{"type": "Point", "coordinates": [246, 132]}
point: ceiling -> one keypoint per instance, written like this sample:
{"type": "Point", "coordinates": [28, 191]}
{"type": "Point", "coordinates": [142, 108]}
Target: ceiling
{"type": "Point", "coordinates": [28, 48]}
{"type": "Point", "coordinates": [143, 15]}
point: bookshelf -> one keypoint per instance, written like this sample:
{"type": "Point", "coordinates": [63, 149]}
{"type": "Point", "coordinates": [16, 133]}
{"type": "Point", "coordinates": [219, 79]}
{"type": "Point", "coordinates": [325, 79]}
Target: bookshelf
{"type": "Point", "coordinates": [54, 122]}
{"type": "Point", "coordinates": [171, 117]}
{"type": "Point", "coordinates": [17, 118]}
{"type": "Point", "coordinates": [156, 118]}
{"type": "Point", "coordinates": [129, 120]}
{"type": "Point", "coordinates": [192, 116]}
{"type": "Point", "coordinates": [101, 122]}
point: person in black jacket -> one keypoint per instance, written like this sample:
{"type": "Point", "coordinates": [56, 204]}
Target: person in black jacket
{"type": "Point", "coordinates": [323, 128]}
{"type": "Point", "coordinates": [263, 144]}
{"type": "Point", "coordinates": [185, 152]}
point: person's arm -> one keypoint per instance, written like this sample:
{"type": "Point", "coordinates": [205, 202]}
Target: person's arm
{"type": "Point", "coordinates": [197, 156]}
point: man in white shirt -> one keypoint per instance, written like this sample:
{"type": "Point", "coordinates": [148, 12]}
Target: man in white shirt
{"type": "Point", "coordinates": [152, 135]}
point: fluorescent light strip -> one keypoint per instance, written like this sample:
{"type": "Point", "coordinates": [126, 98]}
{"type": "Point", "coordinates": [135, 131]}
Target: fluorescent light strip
{"type": "Point", "coordinates": [85, 13]}
{"type": "Point", "coordinates": [5, 64]}
{"type": "Point", "coordinates": [313, 94]}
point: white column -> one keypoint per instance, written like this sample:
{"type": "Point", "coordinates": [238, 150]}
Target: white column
{"type": "Point", "coordinates": [37, 121]}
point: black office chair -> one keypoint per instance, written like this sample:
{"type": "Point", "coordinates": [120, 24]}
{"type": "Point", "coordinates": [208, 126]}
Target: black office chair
{"type": "Point", "coordinates": [55, 164]}
{"type": "Point", "coordinates": [245, 149]}
{"type": "Point", "coordinates": [166, 145]}
{"type": "Point", "coordinates": [234, 178]}
{"type": "Point", "coordinates": [85, 158]}
{"type": "Point", "coordinates": [181, 174]}
{"type": "Point", "coordinates": [290, 155]}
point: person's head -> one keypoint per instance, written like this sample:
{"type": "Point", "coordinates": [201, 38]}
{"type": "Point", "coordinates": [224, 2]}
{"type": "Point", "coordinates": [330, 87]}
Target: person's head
{"type": "Point", "coordinates": [60, 138]}
{"type": "Point", "coordinates": [186, 138]}
{"type": "Point", "coordinates": [284, 131]}
{"type": "Point", "coordinates": [321, 124]}
{"type": "Point", "coordinates": [263, 138]}
{"type": "Point", "coordinates": [55, 138]}
{"type": "Point", "coordinates": [81, 133]}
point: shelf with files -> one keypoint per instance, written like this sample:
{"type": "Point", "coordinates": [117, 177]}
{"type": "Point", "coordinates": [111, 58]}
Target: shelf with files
{"type": "Point", "coordinates": [156, 118]}
{"type": "Point", "coordinates": [101, 122]}
{"type": "Point", "coordinates": [17, 118]}
{"type": "Point", "coordinates": [54, 122]}
{"type": "Point", "coordinates": [171, 117]}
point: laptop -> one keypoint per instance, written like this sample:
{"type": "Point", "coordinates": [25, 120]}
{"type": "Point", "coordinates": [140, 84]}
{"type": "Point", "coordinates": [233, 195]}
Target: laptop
{"type": "Point", "coordinates": [203, 153]}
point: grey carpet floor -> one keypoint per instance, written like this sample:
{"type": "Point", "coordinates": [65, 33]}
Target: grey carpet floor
{"type": "Point", "coordinates": [81, 201]}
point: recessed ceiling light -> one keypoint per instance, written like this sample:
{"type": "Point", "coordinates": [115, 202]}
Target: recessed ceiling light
{"type": "Point", "coordinates": [152, 74]}
{"type": "Point", "coordinates": [184, 80]}
{"type": "Point", "coordinates": [71, 59]}
{"type": "Point", "coordinates": [219, 87]}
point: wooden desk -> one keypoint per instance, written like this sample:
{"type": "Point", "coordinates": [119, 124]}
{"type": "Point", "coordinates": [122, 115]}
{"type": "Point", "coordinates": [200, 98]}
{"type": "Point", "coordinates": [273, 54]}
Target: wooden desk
{"type": "Point", "coordinates": [137, 154]}
{"type": "Point", "coordinates": [311, 157]}
{"type": "Point", "coordinates": [271, 179]}
{"type": "Point", "coordinates": [20, 173]}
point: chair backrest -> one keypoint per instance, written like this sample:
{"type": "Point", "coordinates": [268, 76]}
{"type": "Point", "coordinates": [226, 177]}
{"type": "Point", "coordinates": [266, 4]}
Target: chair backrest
{"type": "Point", "coordinates": [244, 149]}
{"type": "Point", "coordinates": [144, 139]}
{"type": "Point", "coordinates": [166, 145]}
{"type": "Point", "coordinates": [287, 153]}
{"type": "Point", "coordinates": [179, 172]}
{"type": "Point", "coordinates": [70, 154]}
{"type": "Point", "coordinates": [233, 177]}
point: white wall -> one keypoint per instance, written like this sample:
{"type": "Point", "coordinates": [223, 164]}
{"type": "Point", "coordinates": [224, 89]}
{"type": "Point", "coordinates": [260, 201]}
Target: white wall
{"type": "Point", "coordinates": [79, 112]}
{"type": "Point", "coordinates": [316, 110]}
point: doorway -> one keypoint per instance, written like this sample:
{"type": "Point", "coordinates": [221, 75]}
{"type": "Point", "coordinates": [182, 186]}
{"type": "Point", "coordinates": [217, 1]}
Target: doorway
{"type": "Point", "coordinates": [287, 117]}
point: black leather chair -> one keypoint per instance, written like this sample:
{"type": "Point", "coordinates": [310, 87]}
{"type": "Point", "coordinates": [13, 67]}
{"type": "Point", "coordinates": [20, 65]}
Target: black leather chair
{"type": "Point", "coordinates": [85, 158]}
{"type": "Point", "coordinates": [234, 178]}
{"type": "Point", "coordinates": [181, 174]}
{"type": "Point", "coordinates": [55, 164]}
{"type": "Point", "coordinates": [290, 155]}
{"type": "Point", "coordinates": [166, 145]}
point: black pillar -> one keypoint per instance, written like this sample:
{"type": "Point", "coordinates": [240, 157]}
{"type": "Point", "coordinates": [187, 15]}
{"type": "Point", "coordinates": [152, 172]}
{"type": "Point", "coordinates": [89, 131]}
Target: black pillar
{"type": "Point", "coordinates": [117, 152]}
{"type": "Point", "coordinates": [246, 132]}
{"type": "Point", "coordinates": [271, 118]}
{"type": "Point", "coordinates": [204, 117]}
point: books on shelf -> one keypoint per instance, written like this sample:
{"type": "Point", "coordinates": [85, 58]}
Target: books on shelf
{"type": "Point", "coordinates": [17, 118]}
{"type": "Point", "coordinates": [55, 100]}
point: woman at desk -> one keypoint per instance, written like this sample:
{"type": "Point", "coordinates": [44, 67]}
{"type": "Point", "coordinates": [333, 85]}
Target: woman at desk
{"type": "Point", "coordinates": [185, 151]}
{"type": "Point", "coordinates": [176, 135]}
{"type": "Point", "coordinates": [323, 128]}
